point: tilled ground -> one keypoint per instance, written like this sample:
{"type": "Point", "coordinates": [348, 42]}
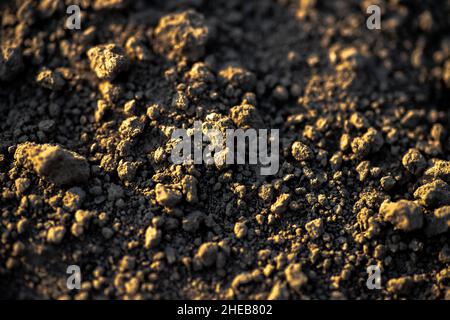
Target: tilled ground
{"type": "Point", "coordinates": [85, 143]}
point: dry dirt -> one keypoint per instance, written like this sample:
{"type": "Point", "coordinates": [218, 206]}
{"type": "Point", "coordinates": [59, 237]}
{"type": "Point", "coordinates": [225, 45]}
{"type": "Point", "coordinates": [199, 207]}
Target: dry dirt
{"type": "Point", "coordinates": [85, 171]}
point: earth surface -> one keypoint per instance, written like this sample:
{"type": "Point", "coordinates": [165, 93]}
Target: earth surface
{"type": "Point", "coordinates": [86, 177]}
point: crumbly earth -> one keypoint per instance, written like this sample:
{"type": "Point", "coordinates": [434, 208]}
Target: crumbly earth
{"type": "Point", "coordinates": [85, 171]}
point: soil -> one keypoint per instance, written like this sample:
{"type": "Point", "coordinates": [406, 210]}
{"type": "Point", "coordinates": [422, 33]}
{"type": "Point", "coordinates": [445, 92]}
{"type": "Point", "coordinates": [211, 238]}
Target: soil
{"type": "Point", "coordinates": [85, 171]}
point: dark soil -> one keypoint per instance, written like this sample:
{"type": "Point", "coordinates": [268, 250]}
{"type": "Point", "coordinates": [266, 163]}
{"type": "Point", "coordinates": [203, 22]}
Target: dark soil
{"type": "Point", "coordinates": [85, 171]}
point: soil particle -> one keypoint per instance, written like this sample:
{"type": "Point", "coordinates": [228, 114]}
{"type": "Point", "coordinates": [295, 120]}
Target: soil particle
{"type": "Point", "coordinates": [404, 215]}
{"type": "Point", "coordinates": [136, 49]}
{"type": "Point", "coordinates": [370, 142]}
{"type": "Point", "coordinates": [166, 196]}
{"type": "Point", "coordinates": [295, 277]}
{"type": "Point", "coordinates": [400, 285]}
{"type": "Point", "coordinates": [279, 292]}
{"type": "Point", "coordinates": [280, 204]}
{"type": "Point", "coordinates": [181, 35]}
{"type": "Point", "coordinates": [240, 230]}
{"type": "Point", "coordinates": [414, 161]}
{"type": "Point", "coordinates": [108, 4]}
{"type": "Point", "coordinates": [433, 194]}
{"type": "Point", "coordinates": [111, 92]}
{"type": "Point", "coordinates": [152, 237]}
{"type": "Point", "coordinates": [192, 221]}
{"type": "Point", "coordinates": [73, 199]}
{"type": "Point", "coordinates": [189, 185]}
{"type": "Point", "coordinates": [206, 255]}
{"type": "Point", "coordinates": [439, 222]}
{"type": "Point", "coordinates": [246, 116]}
{"type": "Point", "coordinates": [108, 60]}
{"type": "Point", "coordinates": [301, 152]}
{"type": "Point", "coordinates": [237, 77]}
{"type": "Point", "coordinates": [56, 234]}
{"type": "Point", "coordinates": [439, 170]}
{"type": "Point", "coordinates": [50, 79]}
{"type": "Point", "coordinates": [53, 163]}
{"type": "Point", "coordinates": [11, 62]}
{"type": "Point", "coordinates": [387, 182]}
{"type": "Point", "coordinates": [315, 228]}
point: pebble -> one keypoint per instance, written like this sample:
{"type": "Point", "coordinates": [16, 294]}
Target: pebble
{"type": "Point", "coordinates": [56, 234]}
{"type": "Point", "coordinates": [108, 60]}
{"type": "Point", "coordinates": [405, 215]}
{"type": "Point", "coordinates": [54, 163]}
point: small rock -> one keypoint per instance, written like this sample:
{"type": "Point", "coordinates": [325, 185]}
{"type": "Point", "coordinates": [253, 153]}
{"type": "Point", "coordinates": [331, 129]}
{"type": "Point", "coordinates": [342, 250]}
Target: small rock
{"type": "Point", "coordinates": [73, 199]}
{"type": "Point", "coordinates": [153, 111]}
{"type": "Point", "coordinates": [363, 170]}
{"type": "Point", "coordinates": [434, 194]}
{"type": "Point", "coordinates": [128, 263]}
{"type": "Point", "coordinates": [110, 92]}
{"type": "Point", "coordinates": [130, 108]}
{"type": "Point", "coordinates": [108, 4]}
{"type": "Point", "coordinates": [22, 184]}
{"type": "Point", "coordinates": [412, 118]}
{"type": "Point", "coordinates": [166, 196]}
{"type": "Point", "coordinates": [439, 222]}
{"type": "Point", "coordinates": [446, 73]}
{"type": "Point", "coordinates": [101, 110]}
{"type": "Point", "coordinates": [132, 127]}
{"type": "Point", "coordinates": [280, 93]}
{"type": "Point", "coordinates": [315, 228]}
{"type": "Point", "coordinates": [200, 72]}
{"type": "Point", "coordinates": [439, 170]}
{"type": "Point", "coordinates": [107, 233]}
{"type": "Point", "coordinates": [191, 223]}
{"type": "Point", "coordinates": [115, 192]}
{"type": "Point", "coordinates": [387, 182]}
{"type": "Point", "coordinates": [246, 116]}
{"type": "Point", "coordinates": [444, 254]}
{"type": "Point", "coordinates": [405, 215]}
{"type": "Point", "coordinates": [53, 163]}
{"type": "Point", "coordinates": [136, 49]}
{"type": "Point", "coordinates": [56, 234]}
{"type": "Point", "coordinates": [279, 292]}
{"type": "Point", "coordinates": [189, 184]}
{"type": "Point", "coordinates": [336, 161]}
{"type": "Point", "coordinates": [181, 35]}
{"type": "Point", "coordinates": [358, 121]}
{"type": "Point", "coordinates": [370, 142]}
{"type": "Point", "coordinates": [46, 125]}
{"type": "Point", "coordinates": [241, 280]}
{"type": "Point", "coordinates": [152, 237]}
{"type": "Point", "coordinates": [77, 229]}
{"type": "Point", "coordinates": [126, 170]}
{"type": "Point", "coordinates": [301, 152]}
{"type": "Point", "coordinates": [414, 161]}
{"type": "Point", "coordinates": [11, 62]}
{"type": "Point", "coordinates": [402, 285]}
{"type": "Point", "coordinates": [295, 277]}
{"type": "Point", "coordinates": [240, 230]}
{"type": "Point", "coordinates": [50, 79]}
{"type": "Point", "coordinates": [108, 60]}
{"type": "Point", "coordinates": [207, 254]}
{"type": "Point", "coordinates": [281, 204]}
{"type": "Point", "coordinates": [237, 77]}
